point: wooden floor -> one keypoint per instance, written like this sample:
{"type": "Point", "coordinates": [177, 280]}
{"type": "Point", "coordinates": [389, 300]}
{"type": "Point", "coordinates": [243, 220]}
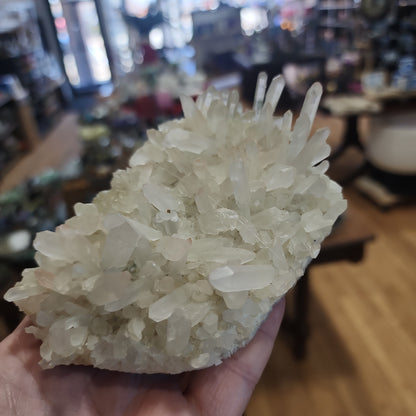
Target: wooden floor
{"type": "Point", "coordinates": [58, 148]}
{"type": "Point", "coordinates": [362, 349]}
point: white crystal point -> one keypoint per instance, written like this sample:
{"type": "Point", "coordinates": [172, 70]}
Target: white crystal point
{"type": "Point", "coordinates": [149, 233]}
{"type": "Point", "coordinates": [235, 300]}
{"type": "Point", "coordinates": [274, 92]}
{"type": "Point", "coordinates": [315, 150]}
{"type": "Point", "coordinates": [173, 249]}
{"type": "Point", "coordinates": [160, 197]}
{"type": "Point", "coordinates": [177, 333]}
{"type": "Point", "coordinates": [194, 116]}
{"type": "Point", "coordinates": [51, 245]}
{"type": "Point", "coordinates": [177, 264]}
{"type": "Point", "coordinates": [125, 238]}
{"type": "Point", "coordinates": [147, 153]}
{"type": "Point", "coordinates": [303, 124]}
{"type": "Point", "coordinates": [109, 287]}
{"type": "Point", "coordinates": [164, 307]}
{"type": "Point", "coordinates": [279, 176]}
{"type": "Point", "coordinates": [238, 278]}
{"type": "Point", "coordinates": [86, 219]}
{"type": "Point", "coordinates": [260, 91]}
{"type": "Point", "coordinates": [238, 177]}
{"type": "Point", "coordinates": [186, 142]}
{"type": "Point", "coordinates": [135, 328]}
{"type": "Point", "coordinates": [232, 103]}
{"type": "Point", "coordinates": [219, 254]}
{"type": "Point", "coordinates": [127, 297]}
{"type": "Point", "coordinates": [18, 293]}
{"type": "Point", "coordinates": [311, 102]}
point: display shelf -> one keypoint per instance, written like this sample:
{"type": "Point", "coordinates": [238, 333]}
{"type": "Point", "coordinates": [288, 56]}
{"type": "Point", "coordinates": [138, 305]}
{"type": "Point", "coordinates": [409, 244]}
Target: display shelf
{"type": "Point", "coordinates": [335, 25]}
{"type": "Point", "coordinates": [407, 3]}
{"type": "Point", "coordinates": [22, 55]}
{"type": "Point", "coordinates": [4, 99]}
{"type": "Point", "coordinates": [336, 7]}
{"type": "Point", "coordinates": [337, 4]}
{"type": "Point", "coordinates": [10, 145]}
{"type": "Point", "coordinates": [6, 131]}
{"type": "Point", "coordinates": [18, 131]}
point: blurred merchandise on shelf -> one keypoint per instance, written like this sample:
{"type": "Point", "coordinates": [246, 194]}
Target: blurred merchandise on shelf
{"type": "Point", "coordinates": [23, 55]}
{"type": "Point", "coordinates": [18, 129]}
{"type": "Point", "coordinates": [34, 205]}
{"type": "Point", "coordinates": [404, 78]}
{"type": "Point", "coordinates": [217, 34]}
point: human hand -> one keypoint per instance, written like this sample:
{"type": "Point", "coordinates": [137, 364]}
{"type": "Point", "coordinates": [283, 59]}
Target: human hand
{"type": "Point", "coordinates": [26, 389]}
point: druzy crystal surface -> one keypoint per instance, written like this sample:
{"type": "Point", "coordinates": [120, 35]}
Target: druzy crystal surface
{"type": "Point", "coordinates": [176, 266]}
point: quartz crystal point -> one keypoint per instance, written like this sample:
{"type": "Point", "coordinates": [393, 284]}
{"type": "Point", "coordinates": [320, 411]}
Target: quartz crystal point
{"type": "Point", "coordinates": [175, 267]}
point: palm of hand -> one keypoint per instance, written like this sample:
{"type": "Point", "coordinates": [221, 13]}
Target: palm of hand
{"type": "Point", "coordinates": [85, 391]}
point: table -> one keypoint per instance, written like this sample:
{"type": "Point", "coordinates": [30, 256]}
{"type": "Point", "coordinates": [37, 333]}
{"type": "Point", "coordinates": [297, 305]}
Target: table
{"type": "Point", "coordinates": [346, 243]}
{"type": "Point", "coordinates": [350, 107]}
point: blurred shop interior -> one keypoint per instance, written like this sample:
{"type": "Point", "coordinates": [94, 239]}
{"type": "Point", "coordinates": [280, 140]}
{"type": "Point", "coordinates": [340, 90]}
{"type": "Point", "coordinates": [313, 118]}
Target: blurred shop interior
{"type": "Point", "coordinates": [81, 81]}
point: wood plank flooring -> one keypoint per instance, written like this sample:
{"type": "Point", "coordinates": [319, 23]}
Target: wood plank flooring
{"type": "Point", "coordinates": [58, 148]}
{"type": "Point", "coordinates": [362, 349]}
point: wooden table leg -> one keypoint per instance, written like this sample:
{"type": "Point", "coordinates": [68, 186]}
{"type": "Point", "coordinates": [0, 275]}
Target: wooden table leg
{"type": "Point", "coordinates": [347, 243]}
{"type": "Point", "coordinates": [300, 319]}
{"type": "Point", "coordinates": [350, 137]}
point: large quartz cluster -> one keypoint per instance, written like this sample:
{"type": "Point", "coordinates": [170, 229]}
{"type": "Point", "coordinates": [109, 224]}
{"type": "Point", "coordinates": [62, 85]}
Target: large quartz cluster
{"type": "Point", "coordinates": [176, 266]}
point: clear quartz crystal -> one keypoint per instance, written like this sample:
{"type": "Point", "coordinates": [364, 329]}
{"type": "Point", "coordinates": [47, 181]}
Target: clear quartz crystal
{"type": "Point", "coordinates": [135, 328]}
{"type": "Point", "coordinates": [235, 300]}
{"type": "Point", "coordinates": [109, 287]}
{"type": "Point", "coordinates": [177, 333]}
{"type": "Point", "coordinates": [51, 245]}
{"type": "Point", "coordinates": [239, 278]}
{"type": "Point", "coordinates": [186, 142]}
{"type": "Point", "coordinates": [172, 248]}
{"type": "Point", "coordinates": [124, 237]}
{"type": "Point", "coordinates": [238, 177]}
{"type": "Point", "coordinates": [176, 266]}
{"type": "Point", "coordinates": [87, 220]}
{"type": "Point", "coordinates": [164, 307]}
{"type": "Point", "coordinates": [260, 91]}
{"type": "Point", "coordinates": [274, 92]}
{"type": "Point", "coordinates": [160, 197]}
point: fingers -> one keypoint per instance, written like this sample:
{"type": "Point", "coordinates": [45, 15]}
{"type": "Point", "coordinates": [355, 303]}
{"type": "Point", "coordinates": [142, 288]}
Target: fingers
{"type": "Point", "coordinates": [20, 343]}
{"type": "Point", "coordinates": [227, 388]}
